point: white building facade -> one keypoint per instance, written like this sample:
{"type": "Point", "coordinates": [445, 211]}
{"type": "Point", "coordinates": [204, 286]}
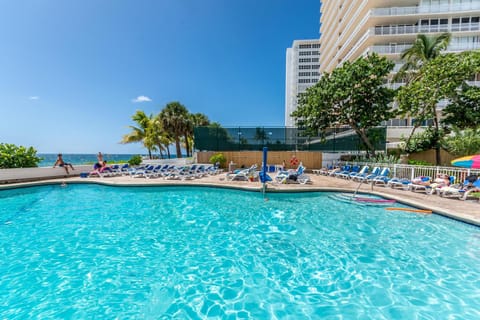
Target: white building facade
{"type": "Point", "coordinates": [302, 72]}
{"type": "Point", "coordinates": [353, 28]}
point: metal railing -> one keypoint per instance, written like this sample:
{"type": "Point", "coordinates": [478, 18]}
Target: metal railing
{"type": "Point", "coordinates": [396, 30]}
{"type": "Point", "coordinates": [413, 171]}
{"type": "Point", "coordinates": [402, 11]}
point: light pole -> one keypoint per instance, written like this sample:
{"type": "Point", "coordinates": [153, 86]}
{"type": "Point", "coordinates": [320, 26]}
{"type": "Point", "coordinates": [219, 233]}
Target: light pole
{"type": "Point", "coordinates": [239, 135]}
{"type": "Point", "coordinates": [334, 138]}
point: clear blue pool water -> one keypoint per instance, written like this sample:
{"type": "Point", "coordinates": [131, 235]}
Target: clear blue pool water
{"type": "Point", "coordinates": [88, 251]}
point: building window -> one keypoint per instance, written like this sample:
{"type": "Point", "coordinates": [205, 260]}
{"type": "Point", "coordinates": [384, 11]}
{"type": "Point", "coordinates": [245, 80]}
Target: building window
{"type": "Point", "coordinates": [314, 59]}
{"type": "Point", "coordinates": [305, 46]}
{"type": "Point", "coordinates": [465, 24]}
{"type": "Point", "coordinates": [304, 67]}
{"type": "Point", "coordinates": [304, 53]}
{"type": "Point", "coordinates": [305, 60]}
{"type": "Point", "coordinates": [303, 80]}
{"type": "Point", "coordinates": [304, 74]}
{"type": "Point", "coordinates": [316, 45]}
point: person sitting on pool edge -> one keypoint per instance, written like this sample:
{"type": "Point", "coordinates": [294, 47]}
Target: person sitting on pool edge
{"type": "Point", "coordinates": [62, 163]}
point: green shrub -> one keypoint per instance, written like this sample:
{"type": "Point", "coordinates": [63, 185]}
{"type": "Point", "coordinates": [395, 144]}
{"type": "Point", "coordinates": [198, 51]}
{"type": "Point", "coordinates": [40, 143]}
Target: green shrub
{"type": "Point", "coordinates": [220, 158]}
{"type": "Point", "coordinates": [463, 142]}
{"type": "Point", "coordinates": [12, 156]}
{"type": "Point", "coordinates": [419, 162]}
{"type": "Point", "coordinates": [135, 160]}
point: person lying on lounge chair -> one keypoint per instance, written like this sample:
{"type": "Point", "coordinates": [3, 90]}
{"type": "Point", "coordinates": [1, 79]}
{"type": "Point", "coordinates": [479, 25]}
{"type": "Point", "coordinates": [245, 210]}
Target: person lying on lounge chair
{"type": "Point", "coordinates": [442, 180]}
{"type": "Point", "coordinates": [101, 171]}
{"type": "Point", "coordinates": [422, 180]}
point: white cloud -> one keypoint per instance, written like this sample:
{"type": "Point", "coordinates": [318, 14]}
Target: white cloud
{"type": "Point", "coordinates": [141, 99]}
{"type": "Point", "coordinates": [34, 98]}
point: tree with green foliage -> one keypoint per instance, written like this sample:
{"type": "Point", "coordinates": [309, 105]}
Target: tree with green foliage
{"type": "Point", "coordinates": [173, 118]}
{"type": "Point", "coordinates": [464, 110]}
{"type": "Point", "coordinates": [463, 142]}
{"type": "Point", "coordinates": [12, 156]}
{"type": "Point", "coordinates": [420, 141]}
{"type": "Point", "coordinates": [141, 132]}
{"type": "Point", "coordinates": [354, 94]}
{"type": "Point", "coordinates": [437, 79]}
{"type": "Point", "coordinates": [159, 137]}
{"type": "Point", "coordinates": [218, 158]}
{"type": "Point", "coordinates": [424, 49]}
{"type": "Point", "coordinates": [135, 160]}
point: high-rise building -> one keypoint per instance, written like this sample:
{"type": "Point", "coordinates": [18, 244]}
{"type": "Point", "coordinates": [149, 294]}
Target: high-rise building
{"type": "Point", "coordinates": [302, 71]}
{"type": "Point", "coordinates": [353, 28]}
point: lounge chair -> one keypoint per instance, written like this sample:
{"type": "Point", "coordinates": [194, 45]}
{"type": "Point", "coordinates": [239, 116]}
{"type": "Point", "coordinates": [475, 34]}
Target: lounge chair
{"type": "Point", "coordinates": [142, 173]}
{"type": "Point", "coordinates": [291, 176]}
{"type": "Point", "coordinates": [344, 172]}
{"type": "Point", "coordinates": [124, 169]}
{"type": "Point", "coordinates": [402, 183]}
{"type": "Point", "coordinates": [475, 188]}
{"type": "Point", "coordinates": [442, 181]}
{"type": "Point", "coordinates": [101, 172]}
{"type": "Point", "coordinates": [243, 174]}
{"type": "Point", "coordinates": [322, 171]}
{"type": "Point", "coordinates": [382, 178]}
{"type": "Point", "coordinates": [421, 183]}
{"type": "Point", "coordinates": [156, 172]}
{"type": "Point", "coordinates": [367, 176]}
{"type": "Point", "coordinates": [363, 171]}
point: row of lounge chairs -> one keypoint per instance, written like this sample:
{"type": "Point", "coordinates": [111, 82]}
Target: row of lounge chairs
{"type": "Point", "coordinates": [282, 176]}
{"type": "Point", "coordinates": [165, 171]}
{"type": "Point", "coordinates": [443, 185]}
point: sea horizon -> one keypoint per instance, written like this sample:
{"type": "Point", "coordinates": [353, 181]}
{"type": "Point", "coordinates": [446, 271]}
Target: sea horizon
{"type": "Point", "coordinates": [88, 158]}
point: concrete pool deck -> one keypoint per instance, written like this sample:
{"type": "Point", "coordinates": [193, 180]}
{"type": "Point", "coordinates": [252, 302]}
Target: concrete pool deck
{"type": "Point", "coordinates": [467, 211]}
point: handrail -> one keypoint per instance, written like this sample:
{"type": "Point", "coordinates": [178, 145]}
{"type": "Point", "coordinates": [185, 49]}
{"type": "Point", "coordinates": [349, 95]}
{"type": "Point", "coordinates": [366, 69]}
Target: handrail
{"type": "Point", "coordinates": [412, 29]}
{"type": "Point", "coordinates": [412, 171]}
{"type": "Point", "coordinates": [401, 11]}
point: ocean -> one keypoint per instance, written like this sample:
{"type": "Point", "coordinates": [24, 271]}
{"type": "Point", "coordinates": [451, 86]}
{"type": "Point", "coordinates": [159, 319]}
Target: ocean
{"type": "Point", "coordinates": [79, 158]}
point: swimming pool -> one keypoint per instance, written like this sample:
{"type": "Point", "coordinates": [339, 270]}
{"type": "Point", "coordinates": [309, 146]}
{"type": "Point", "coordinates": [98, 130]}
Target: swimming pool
{"type": "Point", "coordinates": [90, 251]}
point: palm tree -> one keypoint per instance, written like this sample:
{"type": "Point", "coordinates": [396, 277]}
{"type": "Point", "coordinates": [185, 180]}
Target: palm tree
{"type": "Point", "coordinates": [425, 48]}
{"type": "Point", "coordinates": [173, 118]}
{"type": "Point", "coordinates": [140, 133]}
{"type": "Point", "coordinates": [160, 137]}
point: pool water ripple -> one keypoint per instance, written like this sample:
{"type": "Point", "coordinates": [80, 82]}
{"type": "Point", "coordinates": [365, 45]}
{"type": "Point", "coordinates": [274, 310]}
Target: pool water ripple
{"type": "Point", "coordinates": [89, 251]}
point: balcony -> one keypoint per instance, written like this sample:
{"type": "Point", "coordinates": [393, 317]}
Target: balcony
{"type": "Point", "coordinates": [399, 48]}
{"type": "Point", "coordinates": [389, 49]}
{"type": "Point", "coordinates": [397, 30]}
{"type": "Point", "coordinates": [463, 46]}
{"type": "Point", "coordinates": [404, 11]}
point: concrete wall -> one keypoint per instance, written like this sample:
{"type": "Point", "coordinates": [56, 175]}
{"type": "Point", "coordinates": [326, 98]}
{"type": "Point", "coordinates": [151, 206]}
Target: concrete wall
{"type": "Point", "coordinates": [311, 160]}
{"type": "Point", "coordinates": [32, 174]}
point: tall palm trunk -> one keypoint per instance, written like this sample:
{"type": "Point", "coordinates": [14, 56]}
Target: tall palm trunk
{"type": "Point", "coordinates": [178, 147]}
{"type": "Point", "coordinates": [438, 157]}
{"type": "Point", "coordinates": [187, 145]}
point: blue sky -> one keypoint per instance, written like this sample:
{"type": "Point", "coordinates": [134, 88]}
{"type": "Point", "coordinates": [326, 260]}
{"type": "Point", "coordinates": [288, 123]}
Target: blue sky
{"type": "Point", "coordinates": [70, 71]}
